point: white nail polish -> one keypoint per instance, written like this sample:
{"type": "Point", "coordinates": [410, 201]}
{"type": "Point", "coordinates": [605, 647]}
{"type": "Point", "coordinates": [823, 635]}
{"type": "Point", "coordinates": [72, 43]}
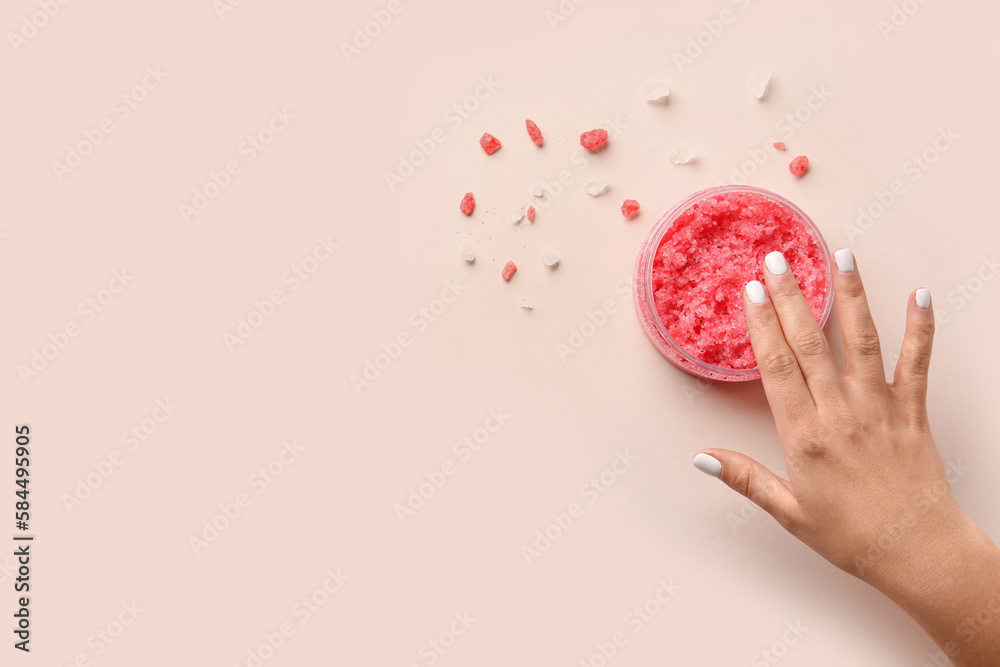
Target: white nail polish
{"type": "Point", "coordinates": [776, 263]}
{"type": "Point", "coordinates": [845, 260]}
{"type": "Point", "coordinates": [756, 293]}
{"type": "Point", "coordinates": [708, 465]}
{"type": "Point", "coordinates": [923, 299]}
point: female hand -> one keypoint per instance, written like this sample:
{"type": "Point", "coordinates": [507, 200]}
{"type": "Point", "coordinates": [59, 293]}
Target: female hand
{"type": "Point", "coordinates": [866, 487]}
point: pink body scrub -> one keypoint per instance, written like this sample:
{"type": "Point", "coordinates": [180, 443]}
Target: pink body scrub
{"type": "Point", "coordinates": [696, 262]}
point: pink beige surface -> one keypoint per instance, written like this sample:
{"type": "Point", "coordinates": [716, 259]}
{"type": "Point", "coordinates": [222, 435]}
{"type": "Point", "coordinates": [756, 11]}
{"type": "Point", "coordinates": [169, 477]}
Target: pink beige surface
{"type": "Point", "coordinates": [231, 253]}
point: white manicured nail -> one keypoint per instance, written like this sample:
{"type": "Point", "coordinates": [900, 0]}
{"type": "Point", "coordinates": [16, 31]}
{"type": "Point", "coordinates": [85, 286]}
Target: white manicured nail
{"type": "Point", "coordinates": [776, 263]}
{"type": "Point", "coordinates": [708, 465]}
{"type": "Point", "coordinates": [845, 260]}
{"type": "Point", "coordinates": [756, 292]}
{"type": "Point", "coordinates": [923, 299]}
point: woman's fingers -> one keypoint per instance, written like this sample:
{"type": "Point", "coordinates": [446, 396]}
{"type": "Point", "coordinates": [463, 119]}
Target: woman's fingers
{"type": "Point", "coordinates": [910, 383]}
{"type": "Point", "coordinates": [803, 333]}
{"type": "Point", "coordinates": [749, 478]}
{"type": "Point", "coordinates": [779, 370]}
{"type": "Point", "coordinates": [861, 344]}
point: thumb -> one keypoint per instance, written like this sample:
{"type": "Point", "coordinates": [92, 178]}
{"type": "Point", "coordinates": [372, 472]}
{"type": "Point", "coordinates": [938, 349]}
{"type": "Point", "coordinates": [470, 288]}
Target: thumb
{"type": "Point", "coordinates": [749, 478]}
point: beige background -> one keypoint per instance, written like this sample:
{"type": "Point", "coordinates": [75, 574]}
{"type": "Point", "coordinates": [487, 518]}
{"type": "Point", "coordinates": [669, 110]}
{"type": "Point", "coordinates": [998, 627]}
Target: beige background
{"type": "Point", "coordinates": [742, 579]}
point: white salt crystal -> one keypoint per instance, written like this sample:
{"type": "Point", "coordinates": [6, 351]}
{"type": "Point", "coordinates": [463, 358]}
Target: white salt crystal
{"type": "Point", "coordinates": [468, 254]}
{"type": "Point", "coordinates": [683, 154]}
{"type": "Point", "coordinates": [517, 215]}
{"type": "Point", "coordinates": [550, 258]}
{"type": "Point", "coordinates": [526, 304]}
{"type": "Point", "coordinates": [598, 188]}
{"type": "Point", "coordinates": [759, 81]}
{"type": "Point", "coordinates": [537, 190]}
{"type": "Point", "coordinates": [655, 91]}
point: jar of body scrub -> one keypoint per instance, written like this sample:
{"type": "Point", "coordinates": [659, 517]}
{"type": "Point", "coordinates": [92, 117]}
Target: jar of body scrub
{"type": "Point", "coordinates": [694, 265]}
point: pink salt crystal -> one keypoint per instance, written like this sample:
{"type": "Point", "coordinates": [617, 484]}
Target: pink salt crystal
{"type": "Point", "coordinates": [799, 166]}
{"type": "Point", "coordinates": [468, 203]}
{"type": "Point", "coordinates": [534, 132]}
{"type": "Point", "coordinates": [630, 208]}
{"type": "Point", "coordinates": [489, 143]}
{"type": "Point", "coordinates": [531, 214]}
{"type": "Point", "coordinates": [508, 270]}
{"type": "Point", "coordinates": [707, 257]}
{"type": "Point", "coordinates": [780, 145]}
{"type": "Point", "coordinates": [594, 139]}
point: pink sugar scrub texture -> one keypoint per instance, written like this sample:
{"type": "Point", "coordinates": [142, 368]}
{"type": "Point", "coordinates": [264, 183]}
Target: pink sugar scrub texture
{"type": "Point", "coordinates": [691, 286]}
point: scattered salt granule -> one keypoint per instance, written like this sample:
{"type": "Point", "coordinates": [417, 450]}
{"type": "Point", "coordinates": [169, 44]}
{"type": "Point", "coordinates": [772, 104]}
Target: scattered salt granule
{"type": "Point", "coordinates": [489, 143]}
{"type": "Point", "coordinates": [759, 81]}
{"type": "Point", "coordinates": [780, 145]}
{"type": "Point", "coordinates": [630, 208]}
{"type": "Point", "coordinates": [508, 270]}
{"type": "Point", "coordinates": [517, 215]}
{"type": "Point", "coordinates": [468, 203]}
{"type": "Point", "coordinates": [534, 132]}
{"type": "Point", "coordinates": [550, 258]}
{"type": "Point", "coordinates": [526, 304]}
{"type": "Point", "coordinates": [683, 154]}
{"type": "Point", "coordinates": [468, 254]}
{"type": "Point", "coordinates": [655, 91]}
{"type": "Point", "coordinates": [799, 166]}
{"type": "Point", "coordinates": [598, 187]}
{"type": "Point", "coordinates": [537, 190]}
{"type": "Point", "coordinates": [594, 140]}
{"type": "Point", "coordinates": [530, 214]}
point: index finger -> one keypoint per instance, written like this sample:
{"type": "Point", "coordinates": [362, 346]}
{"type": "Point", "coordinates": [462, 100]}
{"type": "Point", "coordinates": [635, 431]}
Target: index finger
{"type": "Point", "coordinates": [784, 383]}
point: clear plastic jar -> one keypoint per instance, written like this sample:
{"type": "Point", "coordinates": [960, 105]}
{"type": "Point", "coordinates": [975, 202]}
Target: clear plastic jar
{"type": "Point", "coordinates": [644, 297]}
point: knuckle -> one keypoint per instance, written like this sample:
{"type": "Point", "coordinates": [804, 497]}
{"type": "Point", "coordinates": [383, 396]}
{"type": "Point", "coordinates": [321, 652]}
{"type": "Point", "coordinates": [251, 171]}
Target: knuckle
{"type": "Point", "coordinates": [814, 448]}
{"type": "Point", "coordinates": [866, 343]}
{"type": "Point", "coordinates": [741, 482]}
{"type": "Point", "coordinates": [924, 328]}
{"type": "Point", "coordinates": [811, 344]}
{"type": "Point", "coordinates": [780, 364]}
{"type": "Point", "coordinates": [853, 289]}
{"type": "Point", "coordinates": [917, 361]}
